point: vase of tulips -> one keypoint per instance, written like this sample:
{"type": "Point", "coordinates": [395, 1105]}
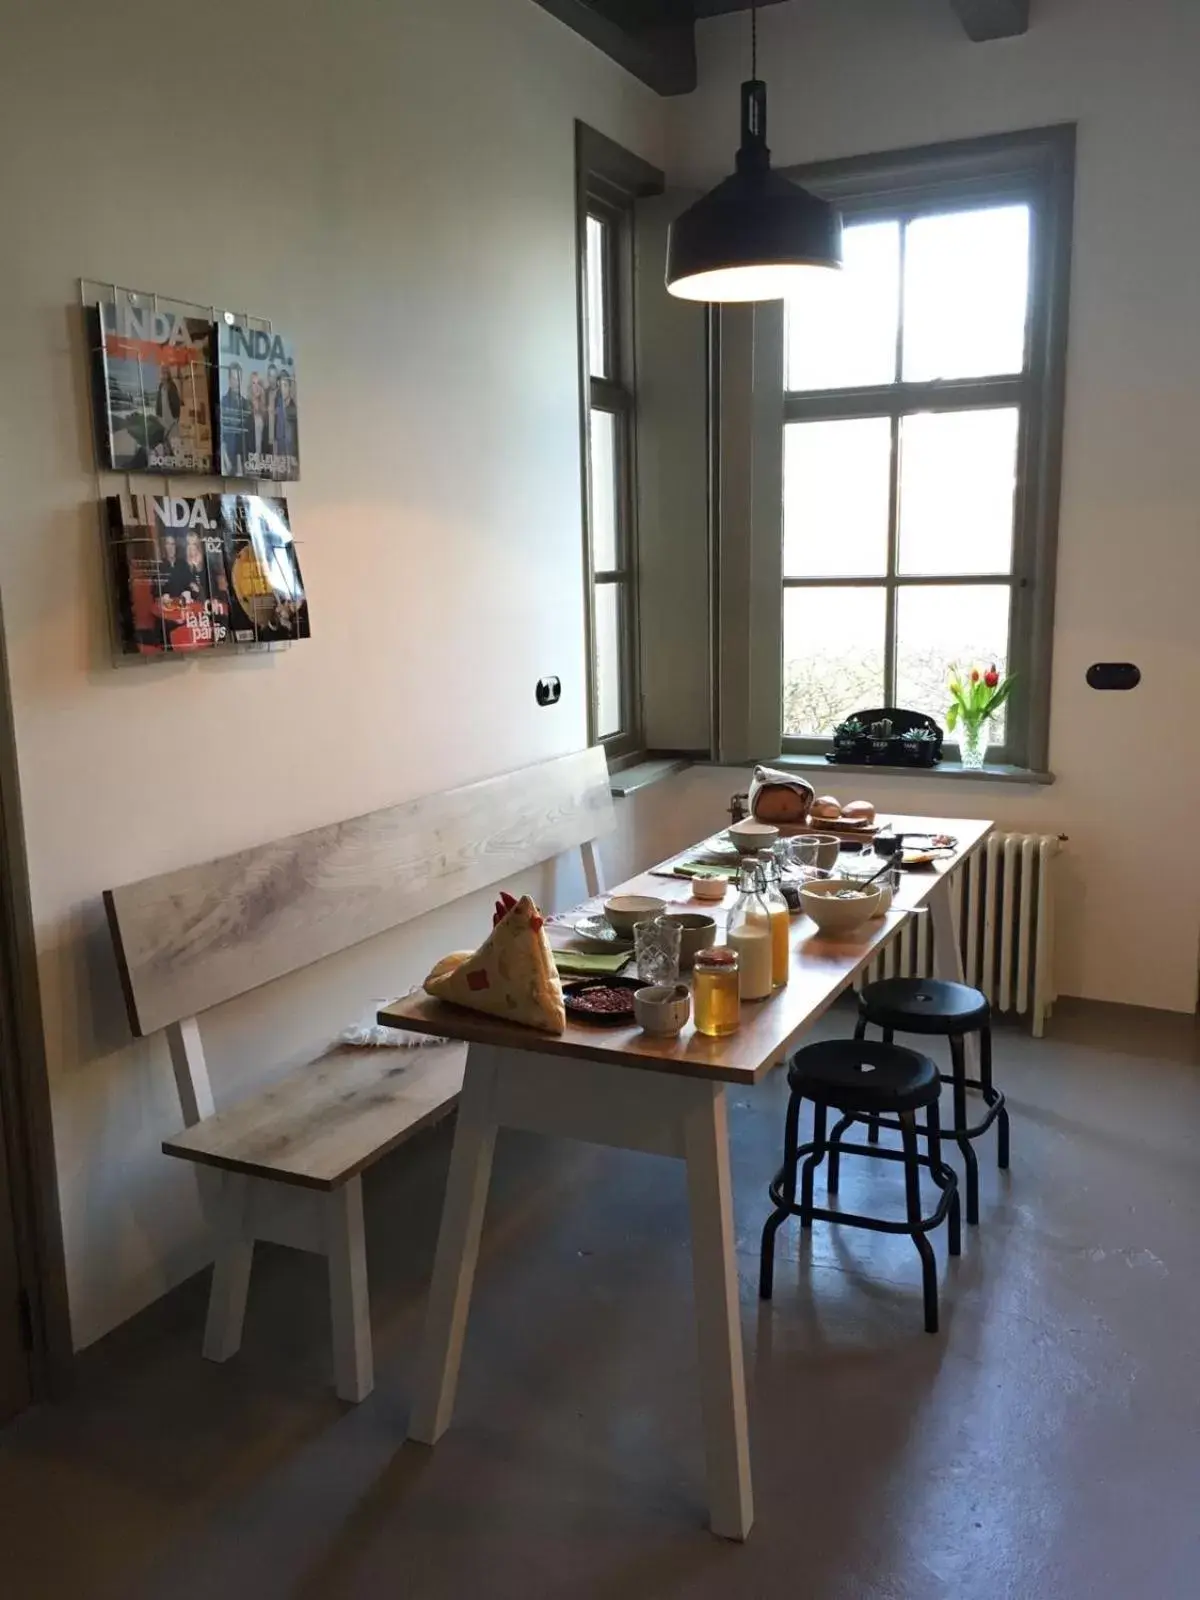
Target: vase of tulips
{"type": "Point", "coordinates": [975, 697]}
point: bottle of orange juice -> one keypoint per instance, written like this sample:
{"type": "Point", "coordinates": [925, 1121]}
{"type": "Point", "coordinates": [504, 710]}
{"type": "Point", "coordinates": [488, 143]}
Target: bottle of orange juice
{"type": "Point", "coordinates": [781, 926]}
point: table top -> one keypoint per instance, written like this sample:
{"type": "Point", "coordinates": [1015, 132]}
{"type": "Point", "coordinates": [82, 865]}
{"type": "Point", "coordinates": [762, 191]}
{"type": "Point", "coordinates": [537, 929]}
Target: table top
{"type": "Point", "coordinates": [822, 967]}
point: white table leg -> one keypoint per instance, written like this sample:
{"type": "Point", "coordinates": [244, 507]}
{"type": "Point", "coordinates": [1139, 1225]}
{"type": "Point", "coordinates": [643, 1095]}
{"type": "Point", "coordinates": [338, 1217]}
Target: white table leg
{"type": "Point", "coordinates": [718, 1318]}
{"type": "Point", "coordinates": [349, 1302]}
{"type": "Point", "coordinates": [947, 953]}
{"type": "Point", "coordinates": [231, 1269]}
{"type": "Point", "coordinates": [457, 1252]}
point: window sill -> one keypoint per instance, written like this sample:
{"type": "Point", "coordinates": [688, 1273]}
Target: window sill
{"type": "Point", "coordinates": [992, 772]}
{"type": "Point", "coordinates": [641, 774]}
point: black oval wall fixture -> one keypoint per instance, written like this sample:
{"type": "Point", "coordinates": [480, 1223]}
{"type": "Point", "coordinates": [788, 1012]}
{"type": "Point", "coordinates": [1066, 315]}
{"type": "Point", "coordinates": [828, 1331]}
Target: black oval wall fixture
{"type": "Point", "coordinates": [1113, 675]}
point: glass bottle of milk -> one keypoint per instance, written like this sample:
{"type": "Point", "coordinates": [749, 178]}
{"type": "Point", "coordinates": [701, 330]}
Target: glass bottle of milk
{"type": "Point", "coordinates": [749, 933]}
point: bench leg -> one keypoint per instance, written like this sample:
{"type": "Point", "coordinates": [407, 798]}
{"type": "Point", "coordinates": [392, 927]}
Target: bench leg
{"type": "Point", "coordinates": [349, 1305]}
{"type": "Point", "coordinates": [231, 1270]}
{"type": "Point", "coordinates": [457, 1252]}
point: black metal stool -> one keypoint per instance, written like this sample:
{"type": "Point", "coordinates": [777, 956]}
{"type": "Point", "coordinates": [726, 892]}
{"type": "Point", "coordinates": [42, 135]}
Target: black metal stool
{"type": "Point", "coordinates": [862, 1078]}
{"type": "Point", "coordinates": [932, 1006]}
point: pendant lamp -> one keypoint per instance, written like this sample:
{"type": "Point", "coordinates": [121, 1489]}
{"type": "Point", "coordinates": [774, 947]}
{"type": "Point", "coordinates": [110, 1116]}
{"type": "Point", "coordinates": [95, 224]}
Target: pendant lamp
{"type": "Point", "coordinates": [755, 236]}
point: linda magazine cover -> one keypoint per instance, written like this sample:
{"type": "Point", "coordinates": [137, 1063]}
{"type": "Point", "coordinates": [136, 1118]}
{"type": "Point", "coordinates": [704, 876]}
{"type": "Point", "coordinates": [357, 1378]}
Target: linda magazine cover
{"type": "Point", "coordinates": [178, 393]}
{"type": "Point", "coordinates": [203, 572]}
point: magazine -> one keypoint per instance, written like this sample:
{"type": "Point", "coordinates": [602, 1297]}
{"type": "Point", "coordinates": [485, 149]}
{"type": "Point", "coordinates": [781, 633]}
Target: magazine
{"type": "Point", "coordinates": [256, 404]}
{"type": "Point", "coordinates": [268, 604]}
{"type": "Point", "coordinates": [153, 378]}
{"type": "Point", "coordinates": [169, 572]}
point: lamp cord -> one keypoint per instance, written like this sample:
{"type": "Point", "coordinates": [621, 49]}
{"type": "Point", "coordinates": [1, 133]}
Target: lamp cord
{"type": "Point", "coordinates": [754, 41]}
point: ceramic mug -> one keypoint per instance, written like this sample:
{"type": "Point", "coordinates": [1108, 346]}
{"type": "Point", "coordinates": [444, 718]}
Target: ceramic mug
{"type": "Point", "coordinates": [663, 1008]}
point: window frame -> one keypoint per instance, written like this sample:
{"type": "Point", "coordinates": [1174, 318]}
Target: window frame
{"type": "Point", "coordinates": [1035, 167]}
{"type": "Point", "coordinates": [609, 181]}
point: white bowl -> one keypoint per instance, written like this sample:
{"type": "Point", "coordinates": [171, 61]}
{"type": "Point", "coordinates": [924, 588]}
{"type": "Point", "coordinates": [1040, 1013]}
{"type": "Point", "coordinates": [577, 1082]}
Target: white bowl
{"type": "Point", "coordinates": [831, 915]}
{"type": "Point", "coordinates": [749, 836]}
{"type": "Point", "coordinates": [623, 910]}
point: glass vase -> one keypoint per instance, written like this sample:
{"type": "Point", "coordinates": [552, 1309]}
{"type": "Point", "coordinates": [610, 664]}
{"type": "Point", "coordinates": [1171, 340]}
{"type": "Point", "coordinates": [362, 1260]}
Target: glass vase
{"type": "Point", "coordinates": [972, 744]}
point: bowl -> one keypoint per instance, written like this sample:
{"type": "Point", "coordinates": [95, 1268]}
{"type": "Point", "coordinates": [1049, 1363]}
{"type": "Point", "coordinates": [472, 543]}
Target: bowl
{"type": "Point", "coordinates": [749, 836]}
{"type": "Point", "coordinates": [829, 847]}
{"type": "Point", "coordinates": [696, 932]}
{"type": "Point", "coordinates": [712, 889]}
{"type": "Point", "coordinates": [831, 915]}
{"type": "Point", "coordinates": [663, 1008]}
{"type": "Point", "coordinates": [623, 910]}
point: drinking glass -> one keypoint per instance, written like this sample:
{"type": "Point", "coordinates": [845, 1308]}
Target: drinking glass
{"type": "Point", "coordinates": [804, 851]}
{"type": "Point", "coordinates": [656, 950]}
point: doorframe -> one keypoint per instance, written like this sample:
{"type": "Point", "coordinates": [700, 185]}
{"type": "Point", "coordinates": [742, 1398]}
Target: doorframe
{"type": "Point", "coordinates": [33, 1175]}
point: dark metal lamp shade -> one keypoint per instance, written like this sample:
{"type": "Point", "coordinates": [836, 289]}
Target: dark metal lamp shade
{"type": "Point", "coordinates": [756, 235]}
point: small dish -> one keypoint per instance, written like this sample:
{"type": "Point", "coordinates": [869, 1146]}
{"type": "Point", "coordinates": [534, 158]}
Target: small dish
{"type": "Point", "coordinates": [663, 1008]}
{"type": "Point", "coordinates": [598, 931]}
{"type": "Point", "coordinates": [710, 889]}
{"type": "Point", "coordinates": [696, 932]}
{"type": "Point", "coordinates": [623, 910]}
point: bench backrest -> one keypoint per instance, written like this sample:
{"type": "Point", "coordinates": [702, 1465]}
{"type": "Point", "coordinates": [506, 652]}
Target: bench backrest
{"type": "Point", "coordinates": [191, 939]}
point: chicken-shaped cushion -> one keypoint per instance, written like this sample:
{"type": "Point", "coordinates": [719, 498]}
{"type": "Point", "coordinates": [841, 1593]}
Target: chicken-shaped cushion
{"type": "Point", "coordinates": [512, 975]}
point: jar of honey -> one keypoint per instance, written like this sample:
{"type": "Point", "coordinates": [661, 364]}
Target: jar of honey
{"type": "Point", "coordinates": [717, 997]}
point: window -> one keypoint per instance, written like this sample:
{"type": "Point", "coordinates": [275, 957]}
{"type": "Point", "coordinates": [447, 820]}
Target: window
{"type": "Point", "coordinates": [609, 181]}
{"type": "Point", "coordinates": [922, 421]}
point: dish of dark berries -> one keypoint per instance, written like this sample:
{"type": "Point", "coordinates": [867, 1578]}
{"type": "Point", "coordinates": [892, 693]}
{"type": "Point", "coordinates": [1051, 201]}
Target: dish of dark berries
{"type": "Point", "coordinates": [605, 1002]}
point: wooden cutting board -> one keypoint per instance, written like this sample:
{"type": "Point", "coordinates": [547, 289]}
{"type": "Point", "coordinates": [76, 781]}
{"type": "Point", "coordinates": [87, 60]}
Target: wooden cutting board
{"type": "Point", "coordinates": [790, 830]}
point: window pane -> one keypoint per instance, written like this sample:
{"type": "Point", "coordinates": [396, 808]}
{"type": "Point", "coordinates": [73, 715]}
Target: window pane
{"type": "Point", "coordinates": [939, 628]}
{"type": "Point", "coordinates": [966, 292]}
{"type": "Point", "coordinates": [604, 491]}
{"type": "Point", "coordinates": [958, 480]}
{"type": "Point", "coordinates": [609, 615]}
{"type": "Point", "coordinates": [841, 331]}
{"type": "Point", "coordinates": [835, 498]}
{"type": "Point", "coordinates": [833, 642]}
{"type": "Point", "coordinates": [597, 297]}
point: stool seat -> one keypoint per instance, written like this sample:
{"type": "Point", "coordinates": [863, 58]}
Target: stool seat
{"type": "Point", "coordinates": [924, 1005]}
{"type": "Point", "coordinates": [863, 1076]}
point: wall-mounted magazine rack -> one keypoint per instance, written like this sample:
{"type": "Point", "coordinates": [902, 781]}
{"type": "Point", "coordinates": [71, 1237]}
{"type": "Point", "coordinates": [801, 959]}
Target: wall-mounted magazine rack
{"type": "Point", "coordinates": [213, 569]}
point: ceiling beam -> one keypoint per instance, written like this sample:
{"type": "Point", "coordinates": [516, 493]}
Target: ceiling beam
{"type": "Point", "coordinates": [653, 39]}
{"type": "Point", "coordinates": [992, 19]}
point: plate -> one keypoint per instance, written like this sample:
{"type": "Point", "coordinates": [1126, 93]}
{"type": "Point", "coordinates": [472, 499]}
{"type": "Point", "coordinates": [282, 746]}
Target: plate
{"type": "Point", "coordinates": [575, 988]}
{"type": "Point", "coordinates": [600, 933]}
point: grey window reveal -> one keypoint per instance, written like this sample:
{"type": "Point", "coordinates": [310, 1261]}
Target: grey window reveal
{"type": "Point", "coordinates": [609, 180]}
{"type": "Point", "coordinates": [922, 422]}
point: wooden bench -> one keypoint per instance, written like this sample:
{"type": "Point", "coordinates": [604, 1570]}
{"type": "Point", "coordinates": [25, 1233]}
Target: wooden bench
{"type": "Point", "coordinates": [289, 1158]}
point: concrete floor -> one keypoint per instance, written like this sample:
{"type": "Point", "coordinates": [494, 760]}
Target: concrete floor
{"type": "Point", "coordinates": [1046, 1444]}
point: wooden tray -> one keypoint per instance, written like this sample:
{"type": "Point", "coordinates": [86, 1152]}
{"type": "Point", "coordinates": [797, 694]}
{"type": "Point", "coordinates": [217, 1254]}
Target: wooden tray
{"type": "Point", "coordinates": [843, 830]}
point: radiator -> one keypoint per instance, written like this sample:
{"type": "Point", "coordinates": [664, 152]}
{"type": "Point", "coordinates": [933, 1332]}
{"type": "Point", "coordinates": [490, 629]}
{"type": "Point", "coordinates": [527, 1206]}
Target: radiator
{"type": "Point", "coordinates": [1003, 898]}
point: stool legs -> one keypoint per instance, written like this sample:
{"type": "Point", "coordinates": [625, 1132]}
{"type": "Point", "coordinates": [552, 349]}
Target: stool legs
{"type": "Point", "coordinates": [791, 1141]}
{"type": "Point", "coordinates": [991, 1096]}
{"type": "Point", "coordinates": [943, 1177]}
{"type": "Point", "coordinates": [958, 1057]}
{"type": "Point", "coordinates": [912, 1194]}
{"type": "Point", "coordinates": [860, 1033]}
{"type": "Point", "coordinates": [811, 1165]}
{"type": "Point", "coordinates": [835, 1150]}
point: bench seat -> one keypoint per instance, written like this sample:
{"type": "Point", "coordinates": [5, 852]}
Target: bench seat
{"type": "Point", "coordinates": [327, 1121]}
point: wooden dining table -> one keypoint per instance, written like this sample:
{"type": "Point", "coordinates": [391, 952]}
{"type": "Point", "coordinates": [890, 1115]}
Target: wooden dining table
{"type": "Point", "coordinates": [622, 1087]}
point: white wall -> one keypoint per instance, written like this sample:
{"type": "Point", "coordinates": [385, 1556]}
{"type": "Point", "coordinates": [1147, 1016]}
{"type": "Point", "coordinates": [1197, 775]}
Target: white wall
{"type": "Point", "coordinates": [855, 76]}
{"type": "Point", "coordinates": [394, 185]}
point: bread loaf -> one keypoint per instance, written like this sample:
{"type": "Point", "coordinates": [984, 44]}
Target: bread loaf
{"type": "Point", "coordinates": [859, 811]}
{"type": "Point", "coordinates": [826, 808]}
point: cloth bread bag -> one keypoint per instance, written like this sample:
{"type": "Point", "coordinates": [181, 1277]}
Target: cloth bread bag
{"type": "Point", "coordinates": [779, 797]}
{"type": "Point", "coordinates": [511, 976]}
